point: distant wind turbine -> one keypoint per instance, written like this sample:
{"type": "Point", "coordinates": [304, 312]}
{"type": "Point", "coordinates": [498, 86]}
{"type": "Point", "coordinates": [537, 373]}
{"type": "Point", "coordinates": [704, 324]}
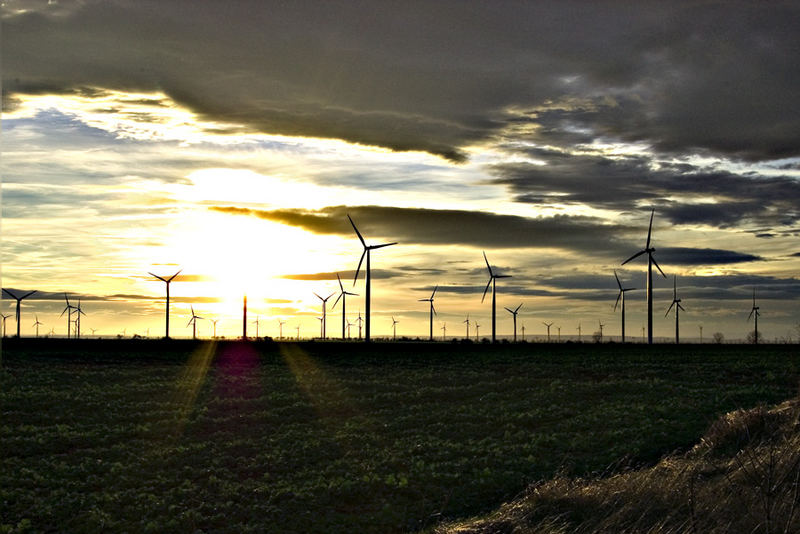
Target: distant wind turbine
{"type": "Point", "coordinates": [492, 282]}
{"type": "Point", "coordinates": [548, 325]}
{"type": "Point", "coordinates": [36, 324]}
{"type": "Point", "coordinates": [193, 322]}
{"type": "Point", "coordinates": [93, 330]}
{"type": "Point", "coordinates": [4, 322]}
{"type": "Point", "coordinates": [579, 332]}
{"type": "Point", "coordinates": [359, 321]}
{"type": "Point", "coordinates": [324, 313]}
{"type": "Point", "coordinates": [523, 331]}
{"type": "Point", "coordinates": [514, 313]}
{"type": "Point", "coordinates": [394, 329]}
{"type": "Point", "coordinates": [19, 301]}
{"type": "Point", "coordinates": [214, 322]}
{"type": "Point", "coordinates": [701, 332]}
{"type": "Point", "coordinates": [444, 331]}
{"type": "Point", "coordinates": [559, 334]}
{"type": "Point", "coordinates": [349, 324]}
{"type": "Point", "coordinates": [432, 309]}
{"type": "Point", "coordinates": [343, 296]}
{"type": "Point", "coordinates": [68, 310]}
{"type": "Point", "coordinates": [321, 325]}
{"type": "Point", "coordinates": [677, 303]}
{"type": "Point", "coordinates": [298, 332]}
{"type": "Point", "coordinates": [601, 330]}
{"type": "Point", "coordinates": [166, 281]}
{"type": "Point", "coordinates": [367, 250]}
{"type": "Point", "coordinates": [467, 322]}
{"type": "Point", "coordinates": [754, 313]}
{"type": "Point", "coordinates": [621, 297]}
{"type": "Point", "coordinates": [280, 328]}
{"type": "Point", "coordinates": [78, 313]}
{"type": "Point", "coordinates": [650, 262]}
{"type": "Point", "coordinates": [477, 331]}
{"type": "Point", "coordinates": [256, 322]}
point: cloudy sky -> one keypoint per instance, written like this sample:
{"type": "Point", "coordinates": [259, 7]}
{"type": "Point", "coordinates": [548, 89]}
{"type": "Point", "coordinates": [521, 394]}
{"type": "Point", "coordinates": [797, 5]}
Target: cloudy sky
{"type": "Point", "coordinates": [231, 140]}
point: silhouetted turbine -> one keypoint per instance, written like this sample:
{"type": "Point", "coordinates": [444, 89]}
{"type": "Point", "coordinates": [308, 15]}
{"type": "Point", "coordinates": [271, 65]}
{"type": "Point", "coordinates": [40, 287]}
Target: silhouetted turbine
{"type": "Point", "coordinates": [677, 303]}
{"type": "Point", "coordinates": [650, 262]}
{"type": "Point", "coordinates": [492, 278]}
{"type": "Point", "coordinates": [4, 316]}
{"type": "Point", "coordinates": [68, 310]}
{"type": "Point", "coordinates": [514, 313]}
{"type": "Point", "coordinates": [477, 331]}
{"type": "Point", "coordinates": [467, 322]}
{"type": "Point", "coordinates": [193, 322]}
{"type": "Point", "coordinates": [19, 301]}
{"type": "Point", "coordinates": [280, 328]}
{"type": "Point", "coordinates": [601, 330]}
{"type": "Point", "coordinates": [432, 310]}
{"type": "Point", "coordinates": [78, 313]}
{"type": "Point", "coordinates": [214, 322]}
{"type": "Point", "coordinates": [359, 321]}
{"type": "Point", "coordinates": [256, 322]}
{"type": "Point", "coordinates": [444, 331]}
{"type": "Point", "coordinates": [548, 325]}
{"type": "Point", "coordinates": [367, 250]}
{"type": "Point", "coordinates": [621, 296]}
{"type": "Point", "coordinates": [36, 324]}
{"type": "Point", "coordinates": [324, 313]}
{"type": "Point", "coordinates": [166, 281]}
{"type": "Point", "coordinates": [343, 295]}
{"type": "Point", "coordinates": [394, 329]}
{"type": "Point", "coordinates": [754, 313]}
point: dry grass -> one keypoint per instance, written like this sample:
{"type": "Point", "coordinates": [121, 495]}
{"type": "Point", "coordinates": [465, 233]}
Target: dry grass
{"type": "Point", "coordinates": [741, 478]}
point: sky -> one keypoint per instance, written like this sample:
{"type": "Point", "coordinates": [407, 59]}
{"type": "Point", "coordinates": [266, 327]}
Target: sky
{"type": "Point", "coordinates": [231, 140]}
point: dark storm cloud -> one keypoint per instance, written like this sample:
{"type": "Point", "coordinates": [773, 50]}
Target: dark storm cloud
{"type": "Point", "coordinates": [344, 275]}
{"type": "Point", "coordinates": [620, 183]}
{"type": "Point", "coordinates": [450, 227]}
{"type": "Point", "coordinates": [701, 256]}
{"type": "Point", "coordinates": [435, 76]}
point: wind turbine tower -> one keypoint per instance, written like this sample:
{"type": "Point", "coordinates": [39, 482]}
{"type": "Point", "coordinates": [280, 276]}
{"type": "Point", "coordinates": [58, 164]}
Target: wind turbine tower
{"type": "Point", "coordinates": [650, 262]}
{"type": "Point", "coordinates": [601, 330]}
{"type": "Point", "coordinates": [324, 313]}
{"type": "Point", "coordinates": [343, 295]}
{"type": "Point", "coordinates": [4, 316]}
{"type": "Point", "coordinates": [36, 324]}
{"type": "Point", "coordinates": [754, 313]}
{"type": "Point", "coordinates": [548, 325]}
{"type": "Point", "coordinates": [394, 329]}
{"type": "Point", "coordinates": [477, 331]}
{"type": "Point", "coordinates": [19, 301]}
{"type": "Point", "coordinates": [467, 322]}
{"type": "Point", "coordinates": [78, 313]}
{"type": "Point", "coordinates": [514, 313]}
{"type": "Point", "coordinates": [444, 331]}
{"type": "Point", "coordinates": [193, 322]}
{"type": "Point", "coordinates": [492, 282]}
{"type": "Point", "coordinates": [677, 303]}
{"type": "Point", "coordinates": [432, 310]}
{"type": "Point", "coordinates": [68, 310]}
{"type": "Point", "coordinates": [166, 281]}
{"type": "Point", "coordinates": [621, 297]}
{"type": "Point", "coordinates": [367, 250]}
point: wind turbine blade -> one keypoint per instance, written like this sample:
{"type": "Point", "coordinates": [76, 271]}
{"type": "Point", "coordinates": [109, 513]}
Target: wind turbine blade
{"type": "Point", "coordinates": [509, 310]}
{"type": "Point", "coordinates": [352, 294]}
{"type": "Point", "coordinates": [357, 232]}
{"type": "Point", "coordinates": [619, 296]}
{"type": "Point", "coordinates": [338, 298]}
{"type": "Point", "coordinates": [315, 294]}
{"type": "Point", "coordinates": [487, 289]}
{"type": "Point", "coordinates": [434, 291]}
{"type": "Point", "coordinates": [341, 287]}
{"type": "Point", "coordinates": [424, 300]}
{"type": "Point", "coordinates": [434, 309]}
{"type": "Point", "coordinates": [66, 298]}
{"type": "Point", "coordinates": [62, 313]}
{"type": "Point", "coordinates": [373, 247]}
{"type": "Point", "coordinates": [670, 308]}
{"type": "Point", "coordinates": [151, 274]}
{"type": "Point", "coordinates": [633, 257]}
{"type": "Point", "coordinates": [12, 295]}
{"type": "Point", "coordinates": [358, 269]}
{"type": "Point", "coordinates": [518, 307]}
{"type": "Point", "coordinates": [618, 282]}
{"type": "Point", "coordinates": [502, 276]}
{"type": "Point", "coordinates": [748, 317]}
{"type": "Point", "coordinates": [329, 296]}
{"type": "Point", "coordinates": [681, 307]}
{"type": "Point", "coordinates": [657, 267]}
{"type": "Point", "coordinates": [28, 294]}
{"type": "Point", "coordinates": [650, 229]}
{"type": "Point", "coordinates": [174, 275]}
{"type": "Point", "coordinates": [487, 264]}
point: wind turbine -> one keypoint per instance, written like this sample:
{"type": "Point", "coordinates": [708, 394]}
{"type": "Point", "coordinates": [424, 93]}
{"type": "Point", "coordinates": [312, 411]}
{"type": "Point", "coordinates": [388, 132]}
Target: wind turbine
{"type": "Point", "coordinates": [214, 322]}
{"type": "Point", "coordinates": [701, 332]}
{"type": "Point", "coordinates": [559, 334]}
{"type": "Point", "coordinates": [650, 262]}
{"type": "Point", "coordinates": [342, 295]}
{"type": "Point", "coordinates": [367, 250]}
{"type": "Point", "coordinates": [514, 313]}
{"type": "Point", "coordinates": [4, 322]}
{"type": "Point", "coordinates": [444, 331]}
{"type": "Point", "coordinates": [477, 331]}
{"type": "Point", "coordinates": [36, 324]}
{"type": "Point", "coordinates": [193, 322]}
{"type": "Point", "coordinates": [523, 331]}
{"type": "Point", "coordinates": [359, 321]}
{"type": "Point", "coordinates": [93, 330]}
{"type": "Point", "coordinates": [324, 316]}
{"type": "Point", "coordinates": [280, 328]}
{"type": "Point", "coordinates": [349, 324]}
{"type": "Point", "coordinates": [321, 325]}
{"type": "Point", "coordinates": [394, 329]}
{"type": "Point", "coordinates": [256, 322]}
{"type": "Point", "coordinates": [166, 281]}
{"type": "Point", "coordinates": [68, 310]}
{"type": "Point", "coordinates": [492, 282]}
{"type": "Point", "coordinates": [601, 330]}
{"type": "Point", "coordinates": [78, 313]}
{"type": "Point", "coordinates": [19, 301]}
{"type": "Point", "coordinates": [754, 313]}
{"type": "Point", "coordinates": [548, 325]}
{"type": "Point", "coordinates": [621, 297]}
{"type": "Point", "coordinates": [677, 303]}
{"type": "Point", "coordinates": [298, 332]}
{"type": "Point", "coordinates": [579, 332]}
{"type": "Point", "coordinates": [433, 310]}
{"type": "Point", "coordinates": [467, 321]}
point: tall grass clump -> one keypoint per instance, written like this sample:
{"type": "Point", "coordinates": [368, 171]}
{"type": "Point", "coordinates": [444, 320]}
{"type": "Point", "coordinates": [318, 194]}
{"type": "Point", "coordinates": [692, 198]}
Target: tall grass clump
{"type": "Point", "coordinates": [742, 477]}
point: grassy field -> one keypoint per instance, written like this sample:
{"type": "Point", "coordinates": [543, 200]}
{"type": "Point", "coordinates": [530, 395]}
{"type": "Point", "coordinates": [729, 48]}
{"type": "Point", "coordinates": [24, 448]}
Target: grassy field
{"type": "Point", "coordinates": [326, 437]}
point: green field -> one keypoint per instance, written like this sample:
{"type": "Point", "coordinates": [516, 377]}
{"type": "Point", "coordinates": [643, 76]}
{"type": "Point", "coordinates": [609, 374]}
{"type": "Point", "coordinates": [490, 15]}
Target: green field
{"type": "Point", "coordinates": [145, 436]}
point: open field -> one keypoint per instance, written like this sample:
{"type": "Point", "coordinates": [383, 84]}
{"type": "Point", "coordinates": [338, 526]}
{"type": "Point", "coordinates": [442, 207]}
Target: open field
{"type": "Point", "coordinates": [330, 437]}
